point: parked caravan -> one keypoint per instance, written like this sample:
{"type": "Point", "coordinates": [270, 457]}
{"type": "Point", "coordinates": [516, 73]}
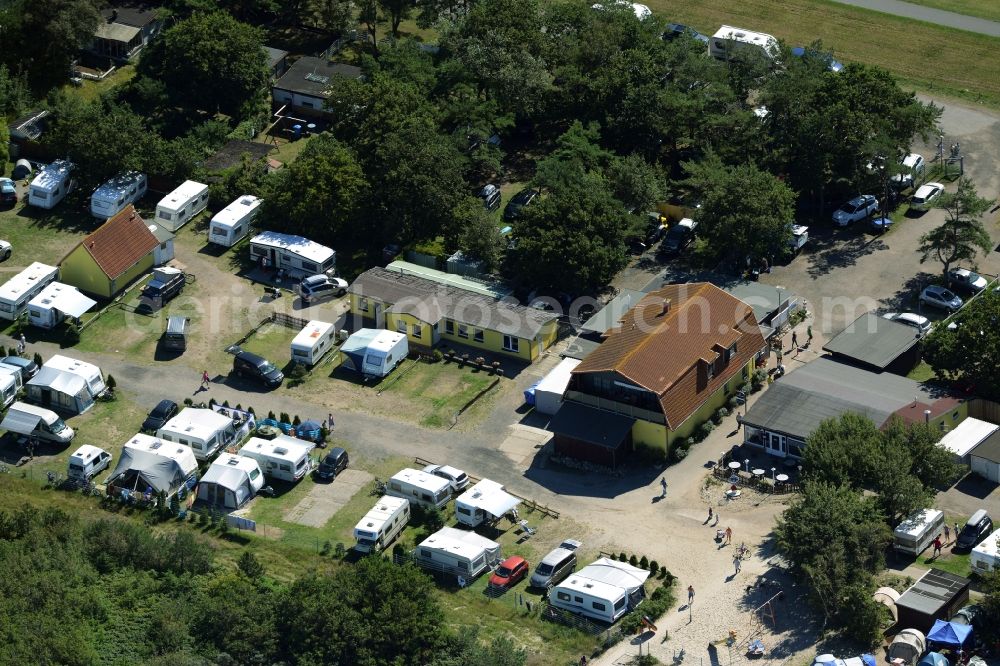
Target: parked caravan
{"type": "Point", "coordinates": [32, 421]}
{"type": "Point", "coordinates": [464, 554]}
{"type": "Point", "coordinates": [485, 502]}
{"type": "Point", "coordinates": [556, 565]}
{"type": "Point", "coordinates": [381, 525]}
{"type": "Point", "coordinates": [204, 430]}
{"type": "Point", "coordinates": [294, 256]}
{"type": "Point", "coordinates": [420, 488]}
{"type": "Point", "coordinates": [51, 185]}
{"type": "Point", "coordinates": [604, 590]}
{"type": "Point", "coordinates": [232, 224]}
{"type": "Point", "coordinates": [52, 388]}
{"type": "Point", "coordinates": [8, 388]}
{"type": "Point", "coordinates": [914, 534]}
{"type": "Point", "coordinates": [313, 341]}
{"type": "Point", "coordinates": [113, 196]}
{"type": "Point", "coordinates": [89, 372]}
{"type": "Point", "coordinates": [728, 40]}
{"type": "Point", "coordinates": [149, 465]}
{"type": "Point", "coordinates": [17, 291]}
{"type": "Point", "coordinates": [182, 205]}
{"type": "Point", "coordinates": [986, 556]}
{"type": "Point", "coordinates": [57, 302]}
{"type": "Point", "coordinates": [86, 462]}
{"type": "Point", "coordinates": [15, 371]}
{"type": "Point", "coordinates": [283, 458]}
{"type": "Point", "coordinates": [386, 350]}
{"type": "Point", "coordinates": [230, 482]}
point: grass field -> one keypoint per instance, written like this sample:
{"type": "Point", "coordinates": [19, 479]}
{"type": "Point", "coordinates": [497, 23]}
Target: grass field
{"type": "Point", "coordinates": [437, 390]}
{"type": "Point", "coordinates": [986, 9]}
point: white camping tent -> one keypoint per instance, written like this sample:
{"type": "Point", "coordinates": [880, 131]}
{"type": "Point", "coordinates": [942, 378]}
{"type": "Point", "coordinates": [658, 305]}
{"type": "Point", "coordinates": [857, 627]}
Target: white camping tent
{"type": "Point", "coordinates": [484, 502]}
{"type": "Point", "coordinates": [908, 645]}
{"type": "Point", "coordinates": [231, 481]}
{"type": "Point", "coordinates": [888, 597]}
{"type": "Point", "coordinates": [58, 389]}
{"type": "Point", "coordinates": [549, 392]}
{"type": "Point", "coordinates": [147, 463]}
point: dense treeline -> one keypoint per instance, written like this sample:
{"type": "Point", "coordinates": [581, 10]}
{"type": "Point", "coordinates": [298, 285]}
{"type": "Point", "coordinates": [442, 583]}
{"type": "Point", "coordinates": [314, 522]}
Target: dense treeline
{"type": "Point", "coordinates": [110, 591]}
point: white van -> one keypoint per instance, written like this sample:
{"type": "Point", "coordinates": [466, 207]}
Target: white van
{"type": "Point", "coordinates": [86, 462]}
{"type": "Point", "coordinates": [283, 458]}
{"type": "Point", "coordinates": [232, 224]}
{"type": "Point", "coordinates": [420, 488]}
{"type": "Point", "coordinates": [113, 196]}
{"type": "Point", "coordinates": [313, 341]}
{"type": "Point", "coordinates": [728, 40]}
{"type": "Point", "coordinates": [182, 205]}
{"type": "Point", "coordinates": [51, 185]}
{"type": "Point", "coordinates": [32, 421]}
{"type": "Point", "coordinates": [382, 524]}
{"type": "Point", "coordinates": [914, 534]}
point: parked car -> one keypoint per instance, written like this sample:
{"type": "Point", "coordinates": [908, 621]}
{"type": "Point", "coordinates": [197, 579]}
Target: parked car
{"type": "Point", "coordinates": [559, 563]}
{"type": "Point", "coordinates": [5, 250]}
{"type": "Point", "coordinates": [513, 208]}
{"type": "Point", "coordinates": [803, 52]}
{"type": "Point", "coordinates": [456, 477]}
{"type": "Point", "coordinates": [8, 191]}
{"type": "Point", "coordinates": [316, 288]}
{"type": "Point", "coordinates": [679, 236]}
{"type": "Point", "coordinates": [966, 280]}
{"type": "Point", "coordinates": [510, 572]}
{"type": "Point", "coordinates": [490, 194]}
{"type": "Point", "coordinates": [257, 368]}
{"type": "Point", "coordinates": [913, 166]}
{"type": "Point", "coordinates": [922, 324]}
{"type": "Point", "coordinates": [28, 367]}
{"type": "Point", "coordinates": [978, 527]}
{"type": "Point", "coordinates": [332, 464]}
{"type": "Point", "coordinates": [675, 30]}
{"type": "Point", "coordinates": [880, 224]}
{"type": "Point", "coordinates": [856, 209]}
{"type": "Point", "coordinates": [163, 412]}
{"type": "Point", "coordinates": [925, 196]}
{"type": "Point", "coordinates": [940, 297]}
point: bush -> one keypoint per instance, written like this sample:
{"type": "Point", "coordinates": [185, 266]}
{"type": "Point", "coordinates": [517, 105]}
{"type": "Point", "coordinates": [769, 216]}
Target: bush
{"type": "Point", "coordinates": [622, 557]}
{"type": "Point", "coordinates": [110, 382]}
{"type": "Point", "coordinates": [297, 370]}
{"type": "Point", "coordinates": [437, 356]}
{"type": "Point", "coordinates": [296, 421]}
{"type": "Point", "coordinates": [654, 567]}
{"type": "Point", "coordinates": [633, 560]}
{"type": "Point", "coordinates": [720, 414]}
{"type": "Point", "coordinates": [271, 415]}
{"type": "Point", "coordinates": [284, 418]}
{"type": "Point", "coordinates": [687, 443]}
{"type": "Point", "coordinates": [72, 335]}
{"type": "Point", "coordinates": [643, 562]}
{"type": "Point", "coordinates": [733, 404]}
{"type": "Point", "coordinates": [706, 429]}
{"type": "Point", "coordinates": [188, 402]}
{"type": "Point", "coordinates": [678, 454]}
{"type": "Point", "coordinates": [37, 358]}
{"type": "Point", "coordinates": [225, 403]}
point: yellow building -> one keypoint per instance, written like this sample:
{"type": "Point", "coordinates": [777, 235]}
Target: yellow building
{"type": "Point", "coordinates": [662, 371]}
{"type": "Point", "coordinates": [112, 257]}
{"type": "Point", "coordinates": [430, 313]}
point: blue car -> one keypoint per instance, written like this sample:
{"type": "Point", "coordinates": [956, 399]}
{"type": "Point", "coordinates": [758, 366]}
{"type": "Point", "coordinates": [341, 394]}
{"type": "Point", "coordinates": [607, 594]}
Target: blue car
{"type": "Point", "coordinates": [831, 64]}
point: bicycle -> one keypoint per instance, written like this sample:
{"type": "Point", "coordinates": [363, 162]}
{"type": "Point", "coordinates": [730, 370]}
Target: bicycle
{"type": "Point", "coordinates": [378, 487]}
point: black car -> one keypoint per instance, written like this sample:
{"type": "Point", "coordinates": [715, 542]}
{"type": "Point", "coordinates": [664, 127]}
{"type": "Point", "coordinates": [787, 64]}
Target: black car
{"type": "Point", "coordinates": [258, 369]}
{"type": "Point", "coordinates": [678, 237]}
{"type": "Point", "coordinates": [163, 412]}
{"type": "Point", "coordinates": [517, 202]}
{"type": "Point", "coordinates": [332, 464]}
{"type": "Point", "coordinates": [28, 367]}
{"type": "Point", "coordinates": [979, 526]}
{"type": "Point", "coordinates": [675, 30]}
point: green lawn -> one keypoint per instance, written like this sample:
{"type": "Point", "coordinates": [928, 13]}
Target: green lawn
{"type": "Point", "coordinates": [273, 342]}
{"type": "Point", "coordinates": [91, 90]}
{"type": "Point", "coordinates": [437, 390]}
{"type": "Point", "coordinates": [922, 372]}
{"type": "Point", "coordinates": [44, 235]}
{"type": "Point", "coordinates": [987, 9]}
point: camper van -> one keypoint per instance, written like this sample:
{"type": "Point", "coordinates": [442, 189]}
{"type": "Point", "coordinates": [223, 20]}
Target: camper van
{"type": "Point", "coordinates": [182, 205]}
{"type": "Point", "coordinates": [914, 534]}
{"type": "Point", "coordinates": [283, 458]}
{"type": "Point", "coordinates": [204, 430]}
{"type": "Point", "coordinates": [314, 340]}
{"type": "Point", "coordinates": [381, 525]}
{"type": "Point", "coordinates": [32, 421]}
{"type": "Point", "coordinates": [17, 291]}
{"type": "Point", "coordinates": [55, 303]}
{"type": "Point", "coordinates": [986, 556]}
{"type": "Point", "coordinates": [485, 502]}
{"type": "Point", "coordinates": [51, 185]}
{"type": "Point", "coordinates": [86, 462]}
{"type": "Point", "coordinates": [420, 488]}
{"type": "Point", "coordinates": [231, 224]}
{"type": "Point", "coordinates": [89, 372]}
{"type": "Point", "coordinates": [113, 196]}
{"type": "Point", "coordinates": [458, 552]}
{"type": "Point", "coordinates": [556, 566]}
{"type": "Point", "coordinates": [387, 350]}
{"type": "Point", "coordinates": [604, 590]}
{"type": "Point", "coordinates": [728, 40]}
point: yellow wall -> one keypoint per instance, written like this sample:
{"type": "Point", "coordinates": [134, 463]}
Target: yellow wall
{"type": "Point", "coordinates": [145, 264]}
{"type": "Point", "coordinates": [80, 270]}
{"type": "Point", "coordinates": [652, 435]}
{"type": "Point", "coordinates": [426, 338]}
{"type": "Point", "coordinates": [947, 419]}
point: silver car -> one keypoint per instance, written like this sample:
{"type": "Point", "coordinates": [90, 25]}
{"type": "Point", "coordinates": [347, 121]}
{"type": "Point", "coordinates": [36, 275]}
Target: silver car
{"type": "Point", "coordinates": [556, 566]}
{"type": "Point", "coordinates": [940, 297]}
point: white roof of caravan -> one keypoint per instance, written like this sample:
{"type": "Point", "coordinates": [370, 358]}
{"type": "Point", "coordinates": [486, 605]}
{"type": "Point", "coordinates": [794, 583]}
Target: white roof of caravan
{"type": "Point", "coordinates": [113, 188]}
{"type": "Point", "coordinates": [558, 378]}
{"type": "Point", "coordinates": [748, 36]}
{"type": "Point", "coordinates": [181, 454]}
{"type": "Point", "coordinates": [72, 365]}
{"type": "Point", "coordinates": [179, 197]}
{"type": "Point", "coordinates": [63, 297]}
{"type": "Point", "coordinates": [490, 497]}
{"type": "Point", "coordinates": [58, 380]}
{"type": "Point", "coordinates": [595, 588]}
{"type": "Point", "coordinates": [988, 548]}
{"type": "Point", "coordinates": [915, 523]}
{"type": "Point", "coordinates": [299, 245]}
{"type": "Point", "coordinates": [13, 288]}
{"type": "Point", "coordinates": [196, 422]}
{"type": "Point", "coordinates": [382, 511]}
{"type": "Point", "coordinates": [86, 452]}
{"type": "Point", "coordinates": [967, 435]}
{"type": "Point", "coordinates": [613, 572]}
{"type": "Point", "coordinates": [312, 331]}
{"type": "Point", "coordinates": [51, 176]}
{"type": "Point", "coordinates": [282, 446]}
{"type": "Point", "coordinates": [459, 542]}
{"type": "Point", "coordinates": [421, 479]}
{"type": "Point", "coordinates": [235, 211]}
{"type": "Point", "coordinates": [385, 340]}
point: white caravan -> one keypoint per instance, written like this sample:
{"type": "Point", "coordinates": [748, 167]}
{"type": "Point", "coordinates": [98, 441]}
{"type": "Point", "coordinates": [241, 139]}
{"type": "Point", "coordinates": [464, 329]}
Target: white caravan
{"type": "Point", "coordinates": [32, 421]}
{"type": "Point", "coordinates": [8, 389]}
{"type": "Point", "coordinates": [15, 372]}
{"type": "Point", "coordinates": [182, 205]}
{"type": "Point", "coordinates": [295, 255]}
{"type": "Point", "coordinates": [204, 430]}
{"type": "Point", "coordinates": [420, 488]}
{"type": "Point", "coordinates": [313, 341]}
{"type": "Point", "coordinates": [88, 372]}
{"type": "Point", "coordinates": [283, 458]}
{"type": "Point", "coordinates": [113, 196]}
{"type": "Point", "coordinates": [387, 350]}
{"type": "Point", "coordinates": [55, 303]}
{"type": "Point", "coordinates": [231, 224]}
{"type": "Point", "coordinates": [485, 502]}
{"type": "Point", "coordinates": [986, 556]}
{"type": "Point", "coordinates": [381, 525]}
{"type": "Point", "coordinates": [86, 462]}
{"type": "Point", "coordinates": [728, 40]}
{"type": "Point", "coordinates": [17, 291]}
{"type": "Point", "coordinates": [917, 532]}
{"type": "Point", "coordinates": [231, 481]}
{"type": "Point", "coordinates": [51, 185]}
{"type": "Point", "coordinates": [464, 554]}
{"type": "Point", "coordinates": [604, 590]}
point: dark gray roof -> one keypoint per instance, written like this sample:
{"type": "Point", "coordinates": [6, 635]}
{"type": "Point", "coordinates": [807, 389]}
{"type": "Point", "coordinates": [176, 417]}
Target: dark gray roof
{"type": "Point", "coordinates": [610, 315]}
{"type": "Point", "coordinates": [232, 152]}
{"type": "Point", "coordinates": [579, 348]}
{"type": "Point", "coordinates": [312, 76]}
{"type": "Point", "coordinates": [591, 425]}
{"type": "Point", "coordinates": [762, 298]}
{"type": "Point", "coordinates": [989, 448]}
{"type": "Point", "coordinates": [873, 340]}
{"type": "Point", "coordinates": [797, 403]}
{"type": "Point", "coordinates": [933, 591]}
{"type": "Point", "coordinates": [274, 55]}
{"type": "Point", "coordinates": [137, 16]}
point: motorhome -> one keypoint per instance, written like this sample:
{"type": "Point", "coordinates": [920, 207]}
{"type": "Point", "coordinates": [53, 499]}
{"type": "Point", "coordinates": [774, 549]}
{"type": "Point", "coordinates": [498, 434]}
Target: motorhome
{"type": "Point", "coordinates": [231, 224]}
{"type": "Point", "coordinates": [313, 341]}
{"type": "Point", "coordinates": [182, 205]}
{"type": "Point", "coordinates": [420, 488]}
{"type": "Point", "coordinates": [17, 291]}
{"type": "Point", "coordinates": [86, 462]}
{"type": "Point", "coordinates": [485, 502]}
{"type": "Point", "coordinates": [293, 256]}
{"type": "Point", "coordinates": [464, 554]}
{"type": "Point", "coordinates": [283, 458]}
{"type": "Point", "coordinates": [604, 590]}
{"type": "Point", "coordinates": [230, 482]}
{"type": "Point", "coordinates": [986, 556]}
{"type": "Point", "coordinates": [51, 185]}
{"type": "Point", "coordinates": [90, 373]}
{"type": "Point", "coordinates": [382, 524]}
{"type": "Point", "coordinates": [204, 430]}
{"type": "Point", "coordinates": [57, 302]}
{"type": "Point", "coordinates": [32, 421]}
{"type": "Point", "coordinates": [914, 534]}
{"type": "Point", "coordinates": [728, 40]}
{"type": "Point", "coordinates": [113, 196]}
{"type": "Point", "coordinates": [385, 351]}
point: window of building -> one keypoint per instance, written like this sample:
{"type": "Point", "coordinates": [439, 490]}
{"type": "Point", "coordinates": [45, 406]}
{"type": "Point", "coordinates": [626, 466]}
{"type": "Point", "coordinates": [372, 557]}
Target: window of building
{"type": "Point", "coordinates": [510, 343]}
{"type": "Point", "coordinates": [463, 331]}
{"type": "Point", "coordinates": [954, 416]}
{"type": "Point", "coordinates": [363, 304]}
{"type": "Point", "coordinates": [401, 326]}
{"type": "Point", "coordinates": [478, 335]}
{"type": "Point", "coordinates": [449, 327]}
{"type": "Point", "coordinates": [709, 370]}
{"type": "Point", "coordinates": [415, 328]}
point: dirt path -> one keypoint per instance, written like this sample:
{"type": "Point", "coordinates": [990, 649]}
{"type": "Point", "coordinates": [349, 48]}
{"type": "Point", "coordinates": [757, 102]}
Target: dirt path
{"type": "Point", "coordinates": [325, 499]}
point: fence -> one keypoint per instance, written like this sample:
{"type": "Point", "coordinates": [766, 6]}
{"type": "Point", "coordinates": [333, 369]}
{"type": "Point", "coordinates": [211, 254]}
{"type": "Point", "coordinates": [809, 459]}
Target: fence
{"type": "Point", "coordinates": [761, 484]}
{"type": "Point", "coordinates": [530, 504]}
{"type": "Point", "coordinates": [986, 410]}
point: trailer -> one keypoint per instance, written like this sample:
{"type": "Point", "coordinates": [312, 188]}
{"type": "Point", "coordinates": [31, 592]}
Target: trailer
{"type": "Point", "coordinates": [51, 184]}
{"type": "Point", "coordinates": [232, 224]}
{"type": "Point", "coordinates": [917, 532]}
{"type": "Point", "coordinates": [458, 552]}
{"type": "Point", "coordinates": [604, 590]}
{"type": "Point", "coordinates": [17, 291]}
{"type": "Point", "coordinates": [728, 40]}
{"type": "Point", "coordinates": [381, 525]}
{"type": "Point", "coordinates": [294, 256]}
{"type": "Point", "coordinates": [386, 350]}
{"type": "Point", "coordinates": [115, 195]}
{"type": "Point", "coordinates": [986, 556]}
{"type": "Point", "coordinates": [204, 430]}
{"type": "Point", "coordinates": [313, 341]}
{"type": "Point", "coordinates": [57, 302]}
{"type": "Point", "coordinates": [485, 502]}
{"type": "Point", "coordinates": [182, 205]}
{"type": "Point", "coordinates": [88, 372]}
{"type": "Point", "coordinates": [420, 488]}
{"type": "Point", "coordinates": [283, 458]}
{"type": "Point", "coordinates": [8, 389]}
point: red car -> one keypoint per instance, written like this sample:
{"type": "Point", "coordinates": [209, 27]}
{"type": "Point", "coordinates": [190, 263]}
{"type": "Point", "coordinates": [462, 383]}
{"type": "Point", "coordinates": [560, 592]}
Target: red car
{"type": "Point", "coordinates": [510, 571]}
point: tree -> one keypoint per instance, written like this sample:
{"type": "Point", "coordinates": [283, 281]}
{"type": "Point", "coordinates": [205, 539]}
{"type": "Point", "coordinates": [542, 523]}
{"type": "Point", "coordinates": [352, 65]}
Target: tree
{"type": "Point", "coordinates": [962, 235]}
{"type": "Point", "coordinates": [934, 466]}
{"type": "Point", "coordinates": [636, 183]}
{"type": "Point", "coordinates": [842, 452]}
{"type": "Point", "coordinates": [244, 618]}
{"type": "Point", "coordinates": [479, 238]}
{"type": "Point", "coordinates": [369, 16]}
{"type": "Point", "coordinates": [41, 37]}
{"type": "Point", "coordinates": [467, 648]}
{"type": "Point", "coordinates": [250, 566]}
{"type": "Point", "coordinates": [969, 352]}
{"type": "Point", "coordinates": [989, 609]}
{"type": "Point", "coordinates": [336, 16]}
{"type": "Point", "coordinates": [397, 11]}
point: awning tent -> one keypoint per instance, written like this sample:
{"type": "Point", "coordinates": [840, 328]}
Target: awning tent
{"type": "Point", "coordinates": [948, 633]}
{"type": "Point", "coordinates": [887, 597]}
{"type": "Point", "coordinates": [226, 486]}
{"type": "Point", "coordinates": [908, 645]}
{"type": "Point", "coordinates": [355, 347]}
{"type": "Point", "coordinates": [20, 422]}
{"type": "Point", "coordinates": [71, 302]}
{"type": "Point", "coordinates": [934, 659]}
{"type": "Point", "coordinates": [58, 380]}
{"type": "Point", "coordinates": [139, 470]}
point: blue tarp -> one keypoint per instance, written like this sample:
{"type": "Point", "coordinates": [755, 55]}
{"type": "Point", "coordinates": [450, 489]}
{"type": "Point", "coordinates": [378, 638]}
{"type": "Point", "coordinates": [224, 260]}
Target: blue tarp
{"type": "Point", "coordinates": [869, 659]}
{"type": "Point", "coordinates": [948, 633]}
{"type": "Point", "coordinates": [934, 659]}
{"type": "Point", "coordinates": [529, 394]}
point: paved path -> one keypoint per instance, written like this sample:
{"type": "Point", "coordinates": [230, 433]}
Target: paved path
{"type": "Point", "coordinates": [930, 15]}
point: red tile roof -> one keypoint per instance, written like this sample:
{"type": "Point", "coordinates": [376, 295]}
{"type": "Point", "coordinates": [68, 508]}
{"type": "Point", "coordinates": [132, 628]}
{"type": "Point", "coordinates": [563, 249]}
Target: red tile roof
{"type": "Point", "coordinates": [914, 412]}
{"type": "Point", "coordinates": [120, 243]}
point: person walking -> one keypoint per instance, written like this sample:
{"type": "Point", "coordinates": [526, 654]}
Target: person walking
{"type": "Point", "coordinates": [737, 562]}
{"type": "Point", "coordinates": [937, 545]}
{"type": "Point", "coordinates": [716, 519]}
{"type": "Point", "coordinates": [204, 379]}
{"type": "Point", "coordinates": [947, 534]}
{"type": "Point", "coordinates": [795, 340]}
{"type": "Point", "coordinates": [663, 485]}
{"type": "Point", "coordinates": [709, 514]}
{"type": "Point", "coordinates": [729, 535]}
{"type": "Point", "coordinates": [329, 421]}
{"type": "Point", "coordinates": [809, 335]}
{"type": "Point", "coordinates": [690, 595]}
{"type": "Point", "coordinates": [22, 343]}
